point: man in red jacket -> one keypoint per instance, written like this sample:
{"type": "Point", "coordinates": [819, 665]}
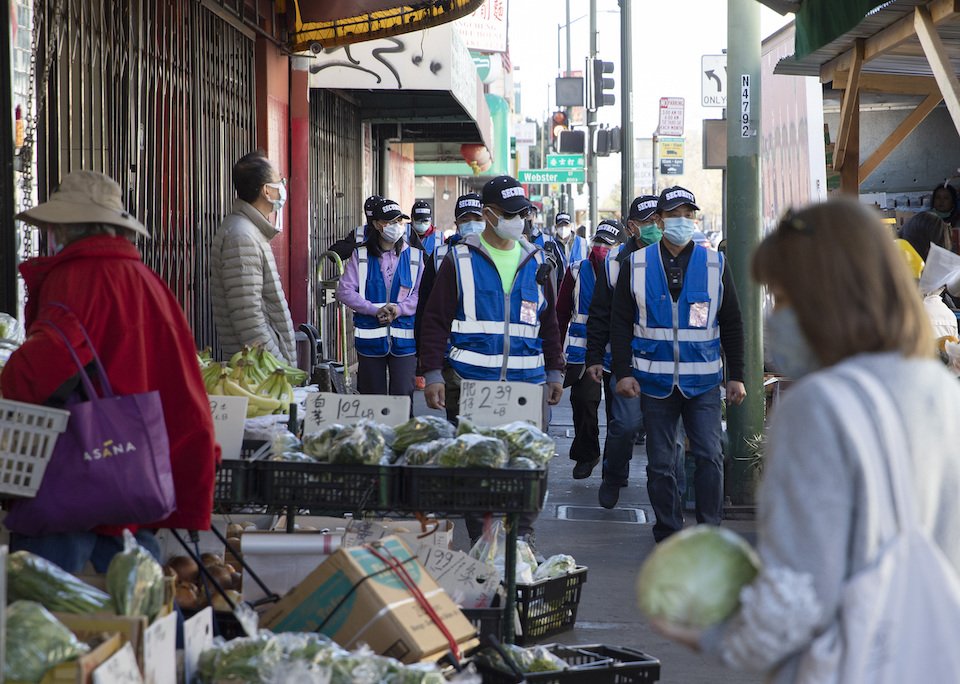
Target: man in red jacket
{"type": "Point", "coordinates": [142, 338]}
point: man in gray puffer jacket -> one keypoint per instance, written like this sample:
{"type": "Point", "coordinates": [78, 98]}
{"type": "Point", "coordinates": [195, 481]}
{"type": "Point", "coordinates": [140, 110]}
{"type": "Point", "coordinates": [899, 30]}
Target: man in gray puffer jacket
{"type": "Point", "coordinates": [248, 301]}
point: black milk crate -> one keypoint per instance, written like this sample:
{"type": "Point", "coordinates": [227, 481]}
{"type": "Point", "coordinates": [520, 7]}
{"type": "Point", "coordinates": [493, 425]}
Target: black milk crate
{"type": "Point", "coordinates": [590, 664]}
{"type": "Point", "coordinates": [235, 485]}
{"type": "Point", "coordinates": [500, 490]}
{"type": "Point", "coordinates": [549, 606]}
{"type": "Point", "coordinates": [488, 621]}
{"type": "Point", "coordinates": [329, 486]}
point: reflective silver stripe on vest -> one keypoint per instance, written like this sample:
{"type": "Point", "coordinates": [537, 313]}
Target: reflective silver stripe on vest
{"type": "Point", "coordinates": [668, 367]}
{"type": "Point", "coordinates": [362, 267]}
{"type": "Point", "coordinates": [683, 334]}
{"type": "Point", "coordinates": [371, 333]}
{"type": "Point", "coordinates": [496, 360]}
{"type": "Point", "coordinates": [576, 342]}
{"type": "Point", "coordinates": [613, 270]}
{"type": "Point", "coordinates": [468, 291]}
{"type": "Point", "coordinates": [639, 261]}
{"type": "Point", "coordinates": [714, 273]}
{"type": "Point", "coordinates": [494, 328]}
{"type": "Point", "coordinates": [401, 333]}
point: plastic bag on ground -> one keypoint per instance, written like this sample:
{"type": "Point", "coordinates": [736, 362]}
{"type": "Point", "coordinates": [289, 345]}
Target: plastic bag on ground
{"type": "Point", "coordinates": [36, 642]}
{"type": "Point", "coordinates": [32, 578]}
{"type": "Point", "coordinates": [135, 580]}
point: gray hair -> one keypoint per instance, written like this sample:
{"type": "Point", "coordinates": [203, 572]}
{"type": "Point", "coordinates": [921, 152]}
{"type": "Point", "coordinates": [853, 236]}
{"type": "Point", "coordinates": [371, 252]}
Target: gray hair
{"type": "Point", "coordinates": [66, 233]}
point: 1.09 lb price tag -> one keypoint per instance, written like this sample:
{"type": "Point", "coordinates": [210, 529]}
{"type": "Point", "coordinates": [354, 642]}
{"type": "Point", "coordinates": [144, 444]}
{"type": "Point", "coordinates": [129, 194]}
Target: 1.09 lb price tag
{"type": "Point", "coordinates": [326, 408]}
{"type": "Point", "coordinates": [489, 404]}
{"type": "Point", "coordinates": [229, 414]}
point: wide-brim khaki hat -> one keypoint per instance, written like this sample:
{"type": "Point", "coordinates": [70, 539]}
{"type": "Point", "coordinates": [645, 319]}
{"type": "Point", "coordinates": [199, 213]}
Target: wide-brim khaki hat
{"type": "Point", "coordinates": [85, 197]}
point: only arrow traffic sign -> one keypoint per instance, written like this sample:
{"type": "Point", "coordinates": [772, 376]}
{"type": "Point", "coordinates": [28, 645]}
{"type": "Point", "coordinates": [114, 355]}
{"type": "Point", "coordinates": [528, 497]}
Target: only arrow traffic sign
{"type": "Point", "coordinates": [713, 80]}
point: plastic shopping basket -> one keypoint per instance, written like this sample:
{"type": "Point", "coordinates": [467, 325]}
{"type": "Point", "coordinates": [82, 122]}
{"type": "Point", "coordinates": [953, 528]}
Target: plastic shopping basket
{"type": "Point", "coordinates": [28, 433]}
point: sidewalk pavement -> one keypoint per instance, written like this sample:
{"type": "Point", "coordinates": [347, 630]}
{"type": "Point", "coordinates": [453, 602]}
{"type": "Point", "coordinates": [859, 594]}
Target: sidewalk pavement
{"type": "Point", "coordinates": [613, 550]}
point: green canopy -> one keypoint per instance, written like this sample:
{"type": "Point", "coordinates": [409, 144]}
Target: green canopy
{"type": "Point", "coordinates": [819, 22]}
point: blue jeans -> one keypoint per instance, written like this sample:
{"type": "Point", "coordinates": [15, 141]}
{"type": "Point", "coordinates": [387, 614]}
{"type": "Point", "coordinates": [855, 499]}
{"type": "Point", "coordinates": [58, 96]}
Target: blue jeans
{"type": "Point", "coordinates": [71, 551]}
{"type": "Point", "coordinates": [625, 421]}
{"type": "Point", "coordinates": [701, 419]}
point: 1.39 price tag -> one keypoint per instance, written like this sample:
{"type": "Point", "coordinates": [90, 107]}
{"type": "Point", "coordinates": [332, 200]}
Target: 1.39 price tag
{"type": "Point", "coordinates": [489, 404]}
{"type": "Point", "coordinates": [327, 408]}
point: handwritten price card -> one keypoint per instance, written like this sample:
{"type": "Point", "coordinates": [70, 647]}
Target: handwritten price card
{"type": "Point", "coordinates": [489, 404]}
{"type": "Point", "coordinates": [327, 408]}
{"type": "Point", "coordinates": [228, 416]}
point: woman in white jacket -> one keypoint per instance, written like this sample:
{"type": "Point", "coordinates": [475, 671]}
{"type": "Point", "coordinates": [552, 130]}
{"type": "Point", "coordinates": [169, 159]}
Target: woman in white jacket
{"type": "Point", "coordinates": [248, 301]}
{"type": "Point", "coordinates": [846, 306]}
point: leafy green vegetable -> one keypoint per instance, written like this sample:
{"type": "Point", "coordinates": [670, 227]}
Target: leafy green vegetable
{"type": "Point", "coordinates": [522, 462]}
{"type": "Point", "coordinates": [555, 566]}
{"type": "Point", "coordinates": [526, 441]}
{"type": "Point", "coordinates": [319, 444]}
{"type": "Point", "coordinates": [694, 578]}
{"type": "Point", "coordinates": [420, 429]}
{"type": "Point", "coordinates": [361, 445]}
{"type": "Point", "coordinates": [33, 578]}
{"type": "Point", "coordinates": [36, 642]}
{"type": "Point", "coordinates": [426, 453]}
{"type": "Point", "coordinates": [473, 451]}
{"type": "Point", "coordinates": [135, 580]}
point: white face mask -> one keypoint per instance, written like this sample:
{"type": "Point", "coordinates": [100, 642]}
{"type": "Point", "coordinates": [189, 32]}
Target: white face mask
{"type": "Point", "coordinates": [471, 228]}
{"type": "Point", "coordinates": [508, 229]}
{"type": "Point", "coordinates": [393, 232]}
{"type": "Point", "coordinates": [281, 198]}
{"type": "Point", "coordinates": [564, 231]}
{"type": "Point", "coordinates": [787, 349]}
{"type": "Point", "coordinates": [421, 227]}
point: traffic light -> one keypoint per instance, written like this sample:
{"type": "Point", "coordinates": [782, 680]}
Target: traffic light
{"type": "Point", "coordinates": [599, 88]}
{"type": "Point", "coordinates": [602, 148]}
{"type": "Point", "coordinates": [614, 139]}
{"type": "Point", "coordinates": [558, 123]}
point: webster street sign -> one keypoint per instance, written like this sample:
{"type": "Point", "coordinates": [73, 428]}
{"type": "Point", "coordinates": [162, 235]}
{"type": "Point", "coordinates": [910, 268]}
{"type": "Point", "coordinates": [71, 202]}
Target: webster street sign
{"type": "Point", "coordinates": [552, 176]}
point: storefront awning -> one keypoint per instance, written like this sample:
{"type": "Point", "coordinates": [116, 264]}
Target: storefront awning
{"type": "Point", "coordinates": [323, 24]}
{"type": "Point", "coordinates": [425, 82]}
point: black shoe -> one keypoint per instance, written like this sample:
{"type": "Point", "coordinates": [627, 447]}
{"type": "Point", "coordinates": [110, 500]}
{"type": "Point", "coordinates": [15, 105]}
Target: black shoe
{"type": "Point", "coordinates": [640, 439]}
{"type": "Point", "coordinates": [584, 469]}
{"type": "Point", "coordinates": [608, 495]}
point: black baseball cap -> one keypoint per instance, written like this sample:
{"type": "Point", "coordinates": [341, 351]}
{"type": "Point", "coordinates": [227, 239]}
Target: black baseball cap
{"type": "Point", "coordinates": [674, 197]}
{"type": "Point", "coordinates": [643, 207]}
{"type": "Point", "coordinates": [507, 193]}
{"type": "Point", "coordinates": [387, 210]}
{"type": "Point", "coordinates": [563, 217]}
{"type": "Point", "coordinates": [369, 204]}
{"type": "Point", "coordinates": [421, 211]}
{"type": "Point", "coordinates": [608, 232]}
{"type": "Point", "coordinates": [468, 204]}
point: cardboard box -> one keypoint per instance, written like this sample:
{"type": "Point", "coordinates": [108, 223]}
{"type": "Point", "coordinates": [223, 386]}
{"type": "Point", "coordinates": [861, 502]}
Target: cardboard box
{"type": "Point", "coordinates": [129, 629]}
{"type": "Point", "coordinates": [80, 671]}
{"type": "Point", "coordinates": [354, 598]}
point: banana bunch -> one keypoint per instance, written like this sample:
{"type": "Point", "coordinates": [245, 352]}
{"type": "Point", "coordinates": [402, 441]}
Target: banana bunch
{"type": "Point", "coordinates": [254, 373]}
{"type": "Point", "coordinates": [257, 405]}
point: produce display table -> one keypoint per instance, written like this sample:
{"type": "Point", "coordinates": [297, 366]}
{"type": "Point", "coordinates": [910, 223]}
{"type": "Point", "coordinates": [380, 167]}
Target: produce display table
{"type": "Point", "coordinates": [291, 487]}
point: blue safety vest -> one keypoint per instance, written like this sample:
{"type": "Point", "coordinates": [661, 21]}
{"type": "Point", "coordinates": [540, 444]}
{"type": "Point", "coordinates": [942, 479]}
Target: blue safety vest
{"type": "Point", "coordinates": [431, 242]}
{"type": "Point", "coordinates": [584, 280]}
{"type": "Point", "coordinates": [539, 239]}
{"type": "Point", "coordinates": [496, 336]}
{"type": "Point", "coordinates": [442, 249]}
{"type": "Point", "coordinates": [676, 344]}
{"type": "Point", "coordinates": [360, 234]}
{"type": "Point", "coordinates": [371, 338]}
{"type": "Point", "coordinates": [578, 251]}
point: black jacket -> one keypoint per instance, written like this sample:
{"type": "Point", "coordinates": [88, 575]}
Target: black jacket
{"type": "Point", "coordinates": [598, 320]}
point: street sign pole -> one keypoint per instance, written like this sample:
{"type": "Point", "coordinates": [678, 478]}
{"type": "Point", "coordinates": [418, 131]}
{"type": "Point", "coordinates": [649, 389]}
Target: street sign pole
{"type": "Point", "coordinates": [626, 108]}
{"type": "Point", "coordinates": [591, 128]}
{"type": "Point", "coordinates": [744, 422]}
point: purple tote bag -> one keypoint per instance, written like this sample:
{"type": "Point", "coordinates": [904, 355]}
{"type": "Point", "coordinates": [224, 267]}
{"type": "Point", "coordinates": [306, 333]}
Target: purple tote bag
{"type": "Point", "coordinates": [110, 467]}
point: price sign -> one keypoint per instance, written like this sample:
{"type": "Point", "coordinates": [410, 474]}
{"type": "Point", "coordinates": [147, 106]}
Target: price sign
{"type": "Point", "coordinates": [489, 404]}
{"type": "Point", "coordinates": [120, 668]}
{"type": "Point", "coordinates": [228, 416]}
{"type": "Point", "coordinates": [197, 638]}
{"type": "Point", "coordinates": [160, 651]}
{"type": "Point", "coordinates": [326, 408]}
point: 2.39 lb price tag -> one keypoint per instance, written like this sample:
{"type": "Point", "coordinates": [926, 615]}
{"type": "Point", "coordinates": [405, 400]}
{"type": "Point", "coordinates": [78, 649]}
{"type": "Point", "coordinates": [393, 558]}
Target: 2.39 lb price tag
{"type": "Point", "coordinates": [489, 404]}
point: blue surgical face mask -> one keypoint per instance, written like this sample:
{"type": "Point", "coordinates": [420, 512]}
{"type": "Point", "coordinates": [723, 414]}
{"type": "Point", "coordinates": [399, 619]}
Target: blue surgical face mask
{"type": "Point", "coordinates": [678, 230]}
{"type": "Point", "coordinates": [787, 348]}
{"type": "Point", "coordinates": [471, 228]}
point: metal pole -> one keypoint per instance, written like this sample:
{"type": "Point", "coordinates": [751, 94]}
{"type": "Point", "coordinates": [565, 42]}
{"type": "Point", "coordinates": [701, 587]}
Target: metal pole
{"type": "Point", "coordinates": [591, 158]}
{"type": "Point", "coordinates": [8, 228]}
{"type": "Point", "coordinates": [653, 164]}
{"type": "Point", "coordinates": [567, 199]}
{"type": "Point", "coordinates": [743, 235]}
{"type": "Point", "coordinates": [627, 189]}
